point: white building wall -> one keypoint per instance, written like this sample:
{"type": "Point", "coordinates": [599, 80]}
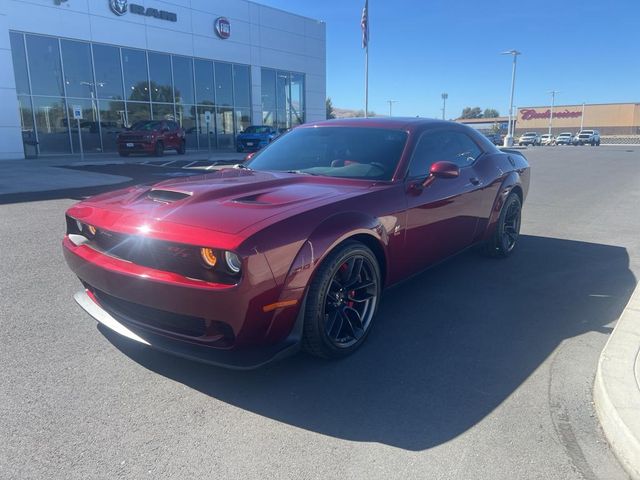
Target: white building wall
{"type": "Point", "coordinates": [10, 131]}
{"type": "Point", "coordinates": [260, 36]}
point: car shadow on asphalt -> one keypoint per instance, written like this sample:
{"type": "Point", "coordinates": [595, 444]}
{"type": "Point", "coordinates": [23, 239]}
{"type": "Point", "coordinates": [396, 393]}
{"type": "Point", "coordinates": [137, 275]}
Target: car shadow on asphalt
{"type": "Point", "coordinates": [449, 346]}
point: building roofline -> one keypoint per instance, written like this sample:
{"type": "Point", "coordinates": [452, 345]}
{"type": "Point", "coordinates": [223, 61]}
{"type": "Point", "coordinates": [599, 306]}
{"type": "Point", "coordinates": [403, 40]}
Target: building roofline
{"type": "Point", "coordinates": [579, 105]}
{"type": "Point", "coordinates": [285, 11]}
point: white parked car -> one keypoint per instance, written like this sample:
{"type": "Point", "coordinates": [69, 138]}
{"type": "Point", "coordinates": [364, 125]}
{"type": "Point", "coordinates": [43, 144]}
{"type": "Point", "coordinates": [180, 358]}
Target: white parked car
{"type": "Point", "coordinates": [587, 137]}
{"type": "Point", "coordinates": [547, 139]}
{"type": "Point", "coordinates": [529, 138]}
{"type": "Point", "coordinates": [565, 138]}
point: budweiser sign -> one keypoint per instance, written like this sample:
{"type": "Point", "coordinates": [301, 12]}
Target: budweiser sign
{"type": "Point", "coordinates": [532, 114]}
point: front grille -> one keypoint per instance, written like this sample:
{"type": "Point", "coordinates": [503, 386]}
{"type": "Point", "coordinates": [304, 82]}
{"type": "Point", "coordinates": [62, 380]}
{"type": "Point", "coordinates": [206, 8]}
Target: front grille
{"type": "Point", "coordinates": [178, 258]}
{"type": "Point", "coordinates": [184, 325]}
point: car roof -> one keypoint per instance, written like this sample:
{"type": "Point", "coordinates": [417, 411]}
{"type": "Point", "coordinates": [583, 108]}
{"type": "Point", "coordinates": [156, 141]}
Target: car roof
{"type": "Point", "coordinates": [394, 123]}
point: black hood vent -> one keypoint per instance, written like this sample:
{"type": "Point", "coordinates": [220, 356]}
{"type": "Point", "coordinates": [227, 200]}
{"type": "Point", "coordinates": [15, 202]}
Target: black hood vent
{"type": "Point", "coordinates": [166, 196]}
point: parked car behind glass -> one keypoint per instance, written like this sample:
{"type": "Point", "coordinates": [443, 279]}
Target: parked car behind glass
{"type": "Point", "coordinates": [152, 137]}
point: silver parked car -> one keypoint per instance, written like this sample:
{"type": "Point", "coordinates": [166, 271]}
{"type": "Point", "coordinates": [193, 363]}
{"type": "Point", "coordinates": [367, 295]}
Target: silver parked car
{"type": "Point", "coordinates": [529, 138]}
{"type": "Point", "coordinates": [587, 137]}
{"type": "Point", "coordinates": [565, 138]}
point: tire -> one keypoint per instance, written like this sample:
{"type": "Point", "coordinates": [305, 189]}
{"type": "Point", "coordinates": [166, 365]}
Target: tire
{"type": "Point", "coordinates": [505, 238]}
{"type": "Point", "coordinates": [598, 143]}
{"type": "Point", "coordinates": [123, 154]}
{"type": "Point", "coordinates": [158, 151]}
{"type": "Point", "coordinates": [335, 326]}
{"type": "Point", "coordinates": [182, 148]}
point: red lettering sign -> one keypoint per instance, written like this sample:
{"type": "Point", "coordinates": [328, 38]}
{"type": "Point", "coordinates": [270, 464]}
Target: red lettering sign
{"type": "Point", "coordinates": [533, 114]}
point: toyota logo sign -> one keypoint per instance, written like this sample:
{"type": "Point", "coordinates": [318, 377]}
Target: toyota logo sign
{"type": "Point", "coordinates": [223, 27]}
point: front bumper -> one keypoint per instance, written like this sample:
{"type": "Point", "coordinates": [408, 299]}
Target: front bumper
{"type": "Point", "coordinates": [210, 322]}
{"type": "Point", "coordinates": [239, 360]}
{"type": "Point", "coordinates": [136, 147]}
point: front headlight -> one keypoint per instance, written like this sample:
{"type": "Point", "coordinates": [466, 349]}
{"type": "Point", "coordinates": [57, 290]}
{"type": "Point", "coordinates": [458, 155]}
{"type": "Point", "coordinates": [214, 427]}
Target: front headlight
{"type": "Point", "coordinates": [233, 261]}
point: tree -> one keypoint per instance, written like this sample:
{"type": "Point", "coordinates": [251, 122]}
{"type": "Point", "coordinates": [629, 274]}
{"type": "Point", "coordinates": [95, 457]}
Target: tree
{"type": "Point", "coordinates": [329, 106]}
{"type": "Point", "coordinates": [490, 113]}
{"type": "Point", "coordinates": [469, 112]}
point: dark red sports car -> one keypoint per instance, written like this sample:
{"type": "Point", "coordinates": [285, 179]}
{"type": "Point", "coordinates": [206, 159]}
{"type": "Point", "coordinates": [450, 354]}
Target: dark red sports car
{"type": "Point", "coordinates": [293, 248]}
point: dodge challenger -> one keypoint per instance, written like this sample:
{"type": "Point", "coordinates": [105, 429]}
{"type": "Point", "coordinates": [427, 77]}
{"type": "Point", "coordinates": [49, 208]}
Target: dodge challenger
{"type": "Point", "coordinates": [293, 248]}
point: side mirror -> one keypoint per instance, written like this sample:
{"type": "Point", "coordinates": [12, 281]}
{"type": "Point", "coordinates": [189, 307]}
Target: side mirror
{"type": "Point", "coordinates": [444, 169]}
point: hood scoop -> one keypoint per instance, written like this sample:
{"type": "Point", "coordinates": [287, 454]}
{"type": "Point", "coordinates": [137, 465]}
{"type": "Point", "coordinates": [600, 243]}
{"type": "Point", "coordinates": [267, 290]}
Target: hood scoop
{"type": "Point", "coordinates": [166, 196]}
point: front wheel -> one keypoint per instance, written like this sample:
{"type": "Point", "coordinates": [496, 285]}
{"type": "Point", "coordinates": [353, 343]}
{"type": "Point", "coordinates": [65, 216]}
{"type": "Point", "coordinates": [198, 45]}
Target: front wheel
{"type": "Point", "coordinates": [342, 302]}
{"type": "Point", "coordinates": [182, 148]}
{"type": "Point", "coordinates": [158, 151]}
{"type": "Point", "coordinates": [504, 239]}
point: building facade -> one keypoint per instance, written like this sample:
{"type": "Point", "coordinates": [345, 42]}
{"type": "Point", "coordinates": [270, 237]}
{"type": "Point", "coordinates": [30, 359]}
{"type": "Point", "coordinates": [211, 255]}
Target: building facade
{"type": "Point", "coordinates": [619, 119]}
{"type": "Point", "coordinates": [234, 62]}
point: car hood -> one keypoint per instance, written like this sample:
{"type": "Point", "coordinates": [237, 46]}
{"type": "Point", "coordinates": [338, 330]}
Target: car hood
{"type": "Point", "coordinates": [229, 201]}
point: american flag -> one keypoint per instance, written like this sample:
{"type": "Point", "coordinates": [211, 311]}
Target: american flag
{"type": "Point", "coordinates": [364, 23]}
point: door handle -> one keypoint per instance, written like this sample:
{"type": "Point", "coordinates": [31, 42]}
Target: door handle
{"type": "Point", "coordinates": [475, 181]}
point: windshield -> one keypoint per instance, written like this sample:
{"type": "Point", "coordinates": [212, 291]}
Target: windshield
{"type": "Point", "coordinates": [257, 129]}
{"type": "Point", "coordinates": [564, 135]}
{"type": "Point", "coordinates": [529, 134]}
{"type": "Point", "coordinates": [146, 125]}
{"type": "Point", "coordinates": [348, 152]}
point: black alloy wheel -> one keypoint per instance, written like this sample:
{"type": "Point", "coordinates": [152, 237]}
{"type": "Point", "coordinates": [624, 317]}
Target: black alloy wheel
{"type": "Point", "coordinates": [342, 302]}
{"type": "Point", "coordinates": [505, 237]}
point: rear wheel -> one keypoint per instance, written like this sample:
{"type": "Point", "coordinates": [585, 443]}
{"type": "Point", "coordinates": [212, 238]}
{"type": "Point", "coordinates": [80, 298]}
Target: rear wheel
{"type": "Point", "coordinates": [182, 148]}
{"type": "Point", "coordinates": [342, 302]}
{"type": "Point", "coordinates": [505, 237]}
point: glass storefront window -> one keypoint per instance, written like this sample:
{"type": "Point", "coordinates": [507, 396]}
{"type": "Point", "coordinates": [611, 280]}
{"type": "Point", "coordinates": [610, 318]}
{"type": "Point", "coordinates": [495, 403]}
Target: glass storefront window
{"type": "Point", "coordinates": [224, 84]}
{"type": "Point", "coordinates": [202, 127]}
{"type": "Point", "coordinates": [160, 77]}
{"type": "Point", "coordinates": [117, 86]}
{"type": "Point", "coordinates": [137, 111]}
{"type": "Point", "coordinates": [89, 126]}
{"type": "Point", "coordinates": [183, 79]}
{"type": "Point", "coordinates": [108, 72]}
{"type": "Point", "coordinates": [26, 117]}
{"type": "Point", "coordinates": [241, 86]}
{"type": "Point", "coordinates": [136, 81]}
{"type": "Point", "coordinates": [51, 124]}
{"type": "Point", "coordinates": [112, 122]}
{"type": "Point", "coordinates": [19, 63]}
{"type": "Point", "coordinates": [243, 119]}
{"type": "Point", "coordinates": [205, 94]}
{"type": "Point", "coordinates": [186, 118]}
{"type": "Point", "coordinates": [297, 99]}
{"type": "Point", "coordinates": [78, 71]}
{"type": "Point", "coordinates": [44, 65]}
{"type": "Point", "coordinates": [163, 111]}
{"type": "Point", "coordinates": [268, 96]}
{"type": "Point", "coordinates": [224, 123]}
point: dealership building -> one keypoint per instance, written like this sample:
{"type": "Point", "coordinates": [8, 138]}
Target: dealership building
{"type": "Point", "coordinates": [613, 120]}
{"type": "Point", "coordinates": [213, 66]}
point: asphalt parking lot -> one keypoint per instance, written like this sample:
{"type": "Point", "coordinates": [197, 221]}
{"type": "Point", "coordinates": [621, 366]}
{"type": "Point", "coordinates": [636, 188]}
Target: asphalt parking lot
{"type": "Point", "coordinates": [478, 368]}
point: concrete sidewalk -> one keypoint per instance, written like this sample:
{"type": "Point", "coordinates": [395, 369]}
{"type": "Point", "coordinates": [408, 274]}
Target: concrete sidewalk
{"type": "Point", "coordinates": [44, 174]}
{"type": "Point", "coordinates": [617, 388]}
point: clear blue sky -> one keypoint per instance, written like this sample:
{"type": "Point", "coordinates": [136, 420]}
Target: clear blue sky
{"type": "Point", "coordinates": [589, 50]}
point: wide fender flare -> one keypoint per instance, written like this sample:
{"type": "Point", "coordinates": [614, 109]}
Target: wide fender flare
{"type": "Point", "coordinates": [511, 181]}
{"type": "Point", "coordinates": [329, 234]}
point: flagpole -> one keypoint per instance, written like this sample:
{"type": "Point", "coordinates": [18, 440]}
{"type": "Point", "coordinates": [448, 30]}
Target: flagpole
{"type": "Point", "coordinates": [366, 81]}
{"type": "Point", "coordinates": [364, 23]}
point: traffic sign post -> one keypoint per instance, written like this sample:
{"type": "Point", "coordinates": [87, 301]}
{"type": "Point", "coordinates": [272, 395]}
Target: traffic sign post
{"type": "Point", "coordinates": [77, 115]}
{"type": "Point", "coordinates": [207, 120]}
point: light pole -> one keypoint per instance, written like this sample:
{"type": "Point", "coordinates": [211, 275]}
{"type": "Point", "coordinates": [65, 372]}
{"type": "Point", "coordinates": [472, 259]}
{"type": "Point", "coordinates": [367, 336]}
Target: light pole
{"type": "Point", "coordinates": [444, 97]}
{"type": "Point", "coordinates": [582, 117]}
{"type": "Point", "coordinates": [508, 140]}
{"type": "Point", "coordinates": [553, 103]}
{"type": "Point", "coordinates": [391, 102]}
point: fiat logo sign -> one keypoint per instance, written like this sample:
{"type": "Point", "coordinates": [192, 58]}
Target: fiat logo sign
{"type": "Point", "coordinates": [223, 27]}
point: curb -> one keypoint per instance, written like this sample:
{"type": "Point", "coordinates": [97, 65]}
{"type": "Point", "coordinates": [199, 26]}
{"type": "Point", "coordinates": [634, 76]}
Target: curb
{"type": "Point", "coordinates": [616, 392]}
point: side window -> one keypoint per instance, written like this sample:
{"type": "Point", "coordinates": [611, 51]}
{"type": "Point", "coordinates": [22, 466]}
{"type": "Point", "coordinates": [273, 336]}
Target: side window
{"type": "Point", "coordinates": [442, 145]}
{"type": "Point", "coordinates": [173, 126]}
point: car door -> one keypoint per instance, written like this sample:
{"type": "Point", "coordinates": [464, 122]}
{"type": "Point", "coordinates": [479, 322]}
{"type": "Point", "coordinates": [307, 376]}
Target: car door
{"type": "Point", "coordinates": [441, 216]}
